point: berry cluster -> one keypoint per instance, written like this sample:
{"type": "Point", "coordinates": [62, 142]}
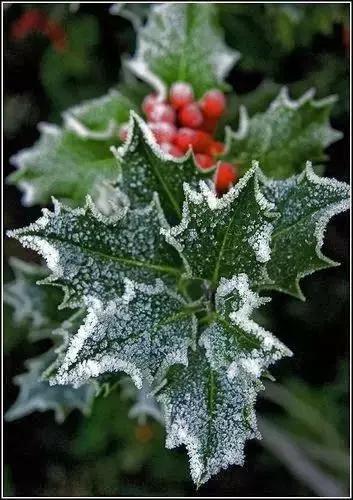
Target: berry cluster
{"type": "Point", "coordinates": [182, 123]}
{"type": "Point", "coordinates": [37, 21]}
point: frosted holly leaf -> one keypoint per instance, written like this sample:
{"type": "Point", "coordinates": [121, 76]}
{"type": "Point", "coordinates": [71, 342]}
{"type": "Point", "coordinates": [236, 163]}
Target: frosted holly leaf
{"type": "Point", "coordinates": [99, 118]}
{"type": "Point", "coordinates": [33, 305]}
{"type": "Point", "coordinates": [211, 415]}
{"type": "Point", "coordinates": [233, 340]}
{"type": "Point", "coordinates": [285, 136]}
{"type": "Point", "coordinates": [306, 203]}
{"type": "Point", "coordinates": [62, 164]}
{"type": "Point", "coordinates": [218, 237]}
{"type": "Point", "coordinates": [147, 169]}
{"type": "Point", "coordinates": [142, 333]}
{"type": "Point", "coordinates": [183, 42]}
{"type": "Point", "coordinates": [90, 254]}
{"type": "Point", "coordinates": [37, 395]}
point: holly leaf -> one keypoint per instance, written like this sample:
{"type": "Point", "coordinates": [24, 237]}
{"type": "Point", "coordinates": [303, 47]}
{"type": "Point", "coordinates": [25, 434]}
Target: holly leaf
{"type": "Point", "coordinates": [33, 306]}
{"type": "Point", "coordinates": [210, 414]}
{"type": "Point", "coordinates": [90, 254]}
{"type": "Point", "coordinates": [218, 235]}
{"type": "Point", "coordinates": [62, 164]}
{"type": "Point", "coordinates": [233, 340]}
{"type": "Point", "coordinates": [146, 169]}
{"type": "Point", "coordinates": [183, 42]}
{"type": "Point", "coordinates": [285, 136]}
{"type": "Point", "coordinates": [99, 118]}
{"type": "Point", "coordinates": [305, 203]}
{"type": "Point", "coordinates": [37, 395]}
{"type": "Point", "coordinates": [142, 333]}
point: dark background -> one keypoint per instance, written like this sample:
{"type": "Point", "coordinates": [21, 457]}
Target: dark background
{"type": "Point", "coordinates": [109, 454]}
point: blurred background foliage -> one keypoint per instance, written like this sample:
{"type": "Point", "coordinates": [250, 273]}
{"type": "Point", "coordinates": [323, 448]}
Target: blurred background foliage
{"type": "Point", "coordinates": [304, 416]}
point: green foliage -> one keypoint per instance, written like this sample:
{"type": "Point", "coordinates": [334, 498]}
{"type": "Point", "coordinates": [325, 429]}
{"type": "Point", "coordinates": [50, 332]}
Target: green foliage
{"type": "Point", "coordinates": [167, 274]}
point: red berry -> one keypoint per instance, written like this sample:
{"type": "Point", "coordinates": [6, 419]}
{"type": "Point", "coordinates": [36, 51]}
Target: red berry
{"type": "Point", "coordinates": [171, 149]}
{"type": "Point", "coordinates": [149, 102]}
{"type": "Point", "coordinates": [162, 112]}
{"type": "Point", "coordinates": [210, 124]}
{"type": "Point", "coordinates": [123, 131]}
{"type": "Point", "coordinates": [216, 148]}
{"type": "Point", "coordinates": [226, 175]}
{"type": "Point", "coordinates": [190, 116]}
{"type": "Point", "coordinates": [185, 138]}
{"type": "Point", "coordinates": [213, 104]}
{"type": "Point", "coordinates": [202, 141]}
{"type": "Point", "coordinates": [163, 131]}
{"type": "Point", "coordinates": [180, 94]}
{"type": "Point", "coordinates": [204, 161]}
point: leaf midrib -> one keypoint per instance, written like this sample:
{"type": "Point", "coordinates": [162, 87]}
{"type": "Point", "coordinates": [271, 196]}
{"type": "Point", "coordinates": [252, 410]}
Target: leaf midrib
{"type": "Point", "coordinates": [122, 260]}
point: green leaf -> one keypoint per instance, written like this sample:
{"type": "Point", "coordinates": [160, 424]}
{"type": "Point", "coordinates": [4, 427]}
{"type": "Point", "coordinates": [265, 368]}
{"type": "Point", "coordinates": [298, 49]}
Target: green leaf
{"type": "Point", "coordinates": [37, 395]}
{"type": "Point", "coordinates": [305, 203]}
{"type": "Point", "coordinates": [33, 306]}
{"type": "Point", "coordinates": [183, 42]}
{"type": "Point", "coordinates": [217, 236]}
{"type": "Point", "coordinates": [90, 254]}
{"type": "Point", "coordinates": [210, 414]}
{"type": "Point", "coordinates": [233, 340]}
{"type": "Point", "coordinates": [285, 136]}
{"type": "Point", "coordinates": [62, 164]}
{"type": "Point", "coordinates": [142, 333]}
{"type": "Point", "coordinates": [100, 118]}
{"type": "Point", "coordinates": [147, 169]}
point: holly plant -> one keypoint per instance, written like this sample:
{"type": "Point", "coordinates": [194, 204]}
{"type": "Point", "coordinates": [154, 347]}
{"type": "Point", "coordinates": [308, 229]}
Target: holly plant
{"type": "Point", "coordinates": [166, 231]}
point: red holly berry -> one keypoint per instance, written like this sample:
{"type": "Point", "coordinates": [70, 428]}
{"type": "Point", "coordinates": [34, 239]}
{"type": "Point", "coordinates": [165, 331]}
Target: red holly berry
{"type": "Point", "coordinates": [190, 116]}
{"type": "Point", "coordinates": [162, 112]}
{"type": "Point", "coordinates": [149, 102]}
{"type": "Point", "coordinates": [180, 94]}
{"type": "Point", "coordinates": [213, 103]}
{"type": "Point", "coordinates": [185, 138]}
{"type": "Point", "coordinates": [123, 131]}
{"type": "Point", "coordinates": [204, 161]}
{"type": "Point", "coordinates": [216, 148]}
{"type": "Point", "coordinates": [171, 149]}
{"type": "Point", "coordinates": [163, 131]}
{"type": "Point", "coordinates": [201, 142]}
{"type": "Point", "coordinates": [226, 175]}
{"type": "Point", "coordinates": [210, 124]}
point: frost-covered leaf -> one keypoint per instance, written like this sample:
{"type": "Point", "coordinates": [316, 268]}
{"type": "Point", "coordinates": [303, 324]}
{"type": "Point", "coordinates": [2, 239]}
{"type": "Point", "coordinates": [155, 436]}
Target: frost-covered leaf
{"type": "Point", "coordinates": [37, 395]}
{"type": "Point", "coordinates": [218, 237]}
{"type": "Point", "coordinates": [142, 333]}
{"type": "Point", "coordinates": [182, 41]}
{"type": "Point", "coordinates": [33, 305]}
{"type": "Point", "coordinates": [90, 254]}
{"type": "Point", "coordinates": [285, 136]}
{"type": "Point", "coordinates": [99, 118]}
{"type": "Point", "coordinates": [62, 164]}
{"type": "Point", "coordinates": [305, 203]}
{"type": "Point", "coordinates": [147, 169]}
{"type": "Point", "coordinates": [210, 414]}
{"type": "Point", "coordinates": [233, 340]}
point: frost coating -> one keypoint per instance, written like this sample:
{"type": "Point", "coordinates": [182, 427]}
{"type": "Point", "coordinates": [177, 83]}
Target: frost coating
{"type": "Point", "coordinates": [90, 254]}
{"type": "Point", "coordinates": [99, 118]}
{"type": "Point", "coordinates": [211, 415]}
{"type": "Point", "coordinates": [218, 236]}
{"type": "Point", "coordinates": [305, 203]}
{"type": "Point", "coordinates": [62, 164]}
{"type": "Point", "coordinates": [182, 42]}
{"type": "Point", "coordinates": [33, 306]}
{"type": "Point", "coordinates": [37, 395]}
{"type": "Point", "coordinates": [233, 340]}
{"type": "Point", "coordinates": [284, 137]}
{"type": "Point", "coordinates": [146, 169]}
{"type": "Point", "coordinates": [142, 333]}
